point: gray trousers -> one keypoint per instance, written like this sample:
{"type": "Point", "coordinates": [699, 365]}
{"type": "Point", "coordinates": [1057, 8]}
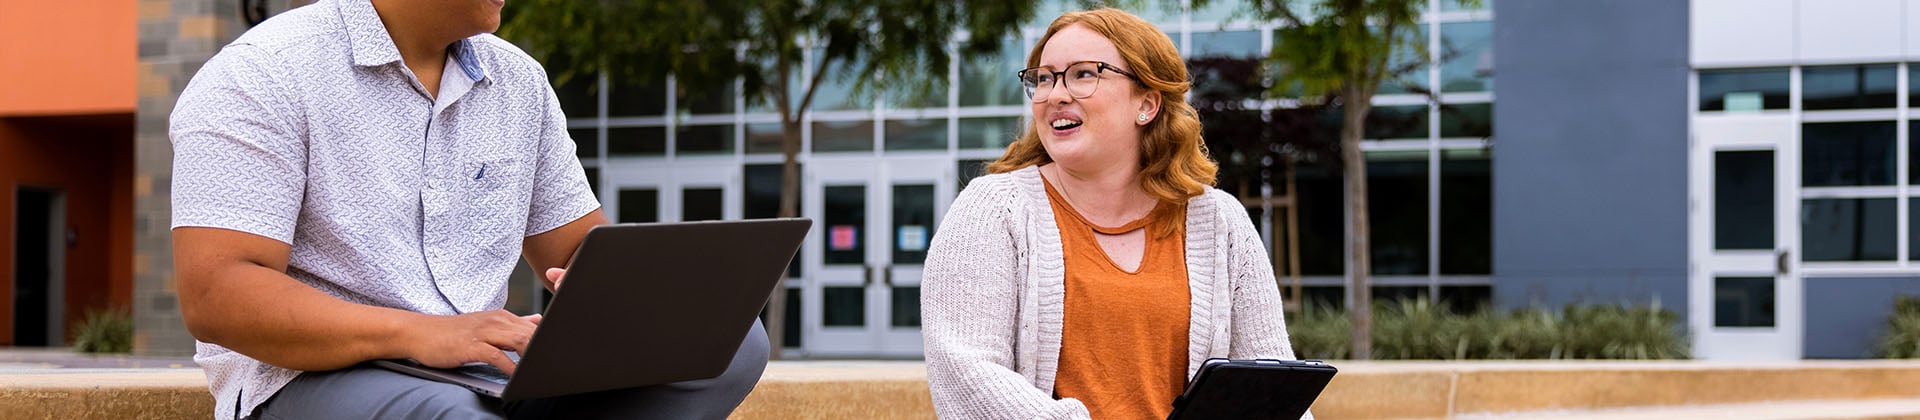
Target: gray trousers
{"type": "Point", "coordinates": [365, 392]}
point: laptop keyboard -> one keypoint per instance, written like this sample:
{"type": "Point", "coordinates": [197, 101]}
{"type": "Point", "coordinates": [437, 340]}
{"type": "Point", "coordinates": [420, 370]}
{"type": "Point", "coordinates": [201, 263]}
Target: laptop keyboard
{"type": "Point", "coordinates": [487, 372]}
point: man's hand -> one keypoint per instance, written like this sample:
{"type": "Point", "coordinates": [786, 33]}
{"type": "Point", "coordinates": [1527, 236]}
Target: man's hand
{"type": "Point", "coordinates": [553, 278]}
{"type": "Point", "coordinates": [445, 341]}
{"type": "Point", "coordinates": [554, 248]}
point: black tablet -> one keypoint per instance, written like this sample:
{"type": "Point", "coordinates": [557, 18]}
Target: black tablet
{"type": "Point", "coordinates": [1252, 389]}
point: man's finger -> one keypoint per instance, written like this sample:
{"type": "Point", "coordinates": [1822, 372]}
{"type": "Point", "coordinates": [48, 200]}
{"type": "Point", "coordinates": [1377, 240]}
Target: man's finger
{"type": "Point", "coordinates": [535, 318]}
{"type": "Point", "coordinates": [514, 340]}
{"type": "Point", "coordinates": [553, 277]}
{"type": "Point", "coordinates": [499, 360]}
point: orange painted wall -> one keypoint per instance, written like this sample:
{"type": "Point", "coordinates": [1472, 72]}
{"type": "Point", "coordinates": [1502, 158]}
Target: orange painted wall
{"type": "Point", "coordinates": [67, 57]}
{"type": "Point", "coordinates": [90, 159]}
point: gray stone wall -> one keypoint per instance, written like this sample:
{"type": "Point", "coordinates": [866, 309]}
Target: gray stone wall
{"type": "Point", "coordinates": [176, 37]}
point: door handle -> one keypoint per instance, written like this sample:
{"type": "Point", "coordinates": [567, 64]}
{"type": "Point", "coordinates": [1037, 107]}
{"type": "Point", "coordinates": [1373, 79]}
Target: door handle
{"type": "Point", "coordinates": [886, 276]}
{"type": "Point", "coordinates": [1781, 261]}
{"type": "Point", "coordinates": [866, 275]}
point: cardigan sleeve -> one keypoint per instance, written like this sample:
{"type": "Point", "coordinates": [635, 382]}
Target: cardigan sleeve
{"type": "Point", "coordinates": [970, 307]}
{"type": "Point", "coordinates": [1259, 324]}
{"type": "Point", "coordinates": [1259, 321]}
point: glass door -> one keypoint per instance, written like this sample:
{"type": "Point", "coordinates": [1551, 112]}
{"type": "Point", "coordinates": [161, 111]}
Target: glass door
{"type": "Point", "coordinates": [678, 192]}
{"type": "Point", "coordinates": [874, 220]}
{"type": "Point", "coordinates": [1745, 288]}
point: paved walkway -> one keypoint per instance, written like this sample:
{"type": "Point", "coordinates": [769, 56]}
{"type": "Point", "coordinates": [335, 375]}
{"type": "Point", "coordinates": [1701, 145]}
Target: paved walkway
{"type": "Point", "coordinates": [1783, 410]}
{"type": "Point", "coordinates": [41, 360]}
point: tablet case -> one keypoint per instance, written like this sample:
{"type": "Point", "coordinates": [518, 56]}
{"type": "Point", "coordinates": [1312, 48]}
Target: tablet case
{"type": "Point", "coordinates": [1252, 389]}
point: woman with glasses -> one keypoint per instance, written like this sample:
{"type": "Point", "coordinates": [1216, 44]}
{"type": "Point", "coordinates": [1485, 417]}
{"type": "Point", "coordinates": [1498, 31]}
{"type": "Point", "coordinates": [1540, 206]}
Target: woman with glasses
{"type": "Point", "coordinates": [1094, 269]}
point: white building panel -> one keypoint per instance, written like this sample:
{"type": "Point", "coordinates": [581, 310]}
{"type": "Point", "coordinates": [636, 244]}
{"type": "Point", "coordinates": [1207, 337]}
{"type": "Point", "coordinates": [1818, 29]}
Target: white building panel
{"type": "Point", "coordinates": [1850, 31]}
{"type": "Point", "coordinates": [1733, 33]}
{"type": "Point", "coordinates": [1913, 29]}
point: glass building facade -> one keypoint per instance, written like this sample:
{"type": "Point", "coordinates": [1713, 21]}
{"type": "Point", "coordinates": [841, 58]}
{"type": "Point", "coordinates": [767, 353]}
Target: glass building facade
{"type": "Point", "coordinates": [880, 169]}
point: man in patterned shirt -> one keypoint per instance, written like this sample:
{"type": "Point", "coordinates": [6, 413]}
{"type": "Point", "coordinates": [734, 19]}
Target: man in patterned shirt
{"type": "Point", "coordinates": [355, 180]}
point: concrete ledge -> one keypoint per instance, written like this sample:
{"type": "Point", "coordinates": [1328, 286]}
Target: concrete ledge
{"type": "Point", "coordinates": [854, 390]}
{"type": "Point", "coordinates": [1408, 389]}
{"type": "Point", "coordinates": [1794, 410]}
{"type": "Point", "coordinates": [840, 390]}
{"type": "Point", "coordinates": [106, 394]}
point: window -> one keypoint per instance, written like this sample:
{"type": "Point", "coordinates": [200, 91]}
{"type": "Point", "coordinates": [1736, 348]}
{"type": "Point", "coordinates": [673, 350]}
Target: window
{"type": "Point", "coordinates": [1397, 122]}
{"type": "Point", "coordinates": [1459, 299]}
{"type": "Point", "coordinates": [1409, 66]}
{"type": "Point", "coordinates": [1323, 229]}
{"type": "Point", "coordinates": [1744, 89]}
{"type": "Point", "coordinates": [842, 136]}
{"type": "Point", "coordinates": [835, 92]}
{"type": "Point", "coordinates": [845, 224]}
{"type": "Point", "coordinates": [1222, 11]}
{"type": "Point", "coordinates": [929, 134]}
{"type": "Point", "coordinates": [1913, 150]}
{"type": "Point", "coordinates": [699, 204]}
{"type": "Point", "coordinates": [1397, 211]}
{"type": "Point", "coordinates": [1913, 85]}
{"type": "Point", "coordinates": [637, 141]}
{"type": "Point", "coordinates": [1237, 44]}
{"type": "Point", "coordinates": [1847, 154]}
{"type": "Point", "coordinates": [704, 139]}
{"type": "Point", "coordinates": [707, 101]}
{"type": "Point", "coordinates": [1467, 50]}
{"type": "Point", "coordinates": [637, 98]}
{"type": "Point", "coordinates": [913, 224]}
{"type": "Point", "coordinates": [1743, 302]}
{"type": "Point", "coordinates": [1848, 87]}
{"type": "Point", "coordinates": [989, 133]}
{"type": "Point", "coordinates": [1743, 200]}
{"type": "Point", "coordinates": [639, 205]}
{"type": "Point", "coordinates": [924, 92]}
{"type": "Point", "coordinates": [906, 306]}
{"type": "Point", "coordinates": [989, 81]}
{"type": "Point", "coordinates": [844, 306]}
{"type": "Point", "coordinates": [765, 138]}
{"type": "Point", "coordinates": [1466, 120]}
{"type": "Point", "coordinates": [1847, 229]}
{"type": "Point", "coordinates": [1466, 212]}
{"type": "Point", "coordinates": [1454, 5]}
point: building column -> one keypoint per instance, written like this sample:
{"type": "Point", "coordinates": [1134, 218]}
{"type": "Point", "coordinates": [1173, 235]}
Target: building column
{"type": "Point", "coordinates": [175, 38]}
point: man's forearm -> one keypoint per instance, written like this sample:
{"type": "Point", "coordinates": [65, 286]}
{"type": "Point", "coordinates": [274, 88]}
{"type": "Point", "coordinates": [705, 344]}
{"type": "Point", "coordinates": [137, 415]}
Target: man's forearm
{"type": "Point", "coordinates": [273, 318]}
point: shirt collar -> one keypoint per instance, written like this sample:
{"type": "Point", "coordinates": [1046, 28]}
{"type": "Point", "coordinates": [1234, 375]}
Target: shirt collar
{"type": "Point", "coordinates": [373, 46]}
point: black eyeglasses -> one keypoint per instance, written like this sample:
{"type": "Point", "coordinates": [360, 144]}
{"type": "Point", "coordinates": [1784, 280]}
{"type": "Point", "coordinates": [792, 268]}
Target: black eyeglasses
{"type": "Point", "coordinates": [1082, 79]}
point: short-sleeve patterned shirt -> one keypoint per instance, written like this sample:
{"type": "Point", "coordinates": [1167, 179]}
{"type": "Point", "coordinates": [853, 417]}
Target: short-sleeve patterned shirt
{"type": "Point", "coordinates": [309, 129]}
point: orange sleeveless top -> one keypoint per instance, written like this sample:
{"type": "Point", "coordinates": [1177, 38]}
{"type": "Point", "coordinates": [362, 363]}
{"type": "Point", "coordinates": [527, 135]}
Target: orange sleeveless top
{"type": "Point", "coordinates": [1123, 345]}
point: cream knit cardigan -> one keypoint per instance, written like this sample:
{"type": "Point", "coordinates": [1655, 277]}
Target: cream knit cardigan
{"type": "Point", "coordinates": [993, 298]}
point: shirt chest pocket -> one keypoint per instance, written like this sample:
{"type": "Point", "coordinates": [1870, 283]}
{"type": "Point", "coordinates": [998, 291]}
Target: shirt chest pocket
{"type": "Point", "coordinates": [496, 200]}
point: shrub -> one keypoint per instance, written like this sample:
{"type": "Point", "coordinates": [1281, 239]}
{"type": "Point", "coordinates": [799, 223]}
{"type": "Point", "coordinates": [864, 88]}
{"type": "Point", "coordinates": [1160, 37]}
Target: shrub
{"type": "Point", "coordinates": [1902, 339]}
{"type": "Point", "coordinates": [104, 331]}
{"type": "Point", "coordinates": [1419, 329]}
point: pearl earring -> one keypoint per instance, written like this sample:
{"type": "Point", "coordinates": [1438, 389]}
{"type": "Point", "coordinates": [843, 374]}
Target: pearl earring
{"type": "Point", "coordinates": [1143, 117]}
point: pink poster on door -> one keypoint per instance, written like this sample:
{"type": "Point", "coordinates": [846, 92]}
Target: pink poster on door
{"type": "Point", "coordinates": [841, 238]}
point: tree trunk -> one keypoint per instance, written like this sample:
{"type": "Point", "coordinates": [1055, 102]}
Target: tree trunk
{"type": "Point", "coordinates": [789, 207]}
{"type": "Point", "coordinates": [1354, 164]}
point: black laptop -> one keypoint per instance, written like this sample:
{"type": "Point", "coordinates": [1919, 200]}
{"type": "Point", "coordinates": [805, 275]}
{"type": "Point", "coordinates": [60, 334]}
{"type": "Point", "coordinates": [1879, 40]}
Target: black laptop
{"type": "Point", "coordinates": [643, 304]}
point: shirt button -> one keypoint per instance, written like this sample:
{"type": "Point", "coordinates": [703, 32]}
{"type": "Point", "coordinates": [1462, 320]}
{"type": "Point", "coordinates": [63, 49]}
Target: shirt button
{"type": "Point", "coordinates": [433, 184]}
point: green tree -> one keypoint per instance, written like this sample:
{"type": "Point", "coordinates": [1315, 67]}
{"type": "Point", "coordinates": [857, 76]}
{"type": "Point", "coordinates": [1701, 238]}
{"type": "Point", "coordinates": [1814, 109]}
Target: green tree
{"type": "Point", "coordinates": [1345, 49]}
{"type": "Point", "coordinates": [710, 45]}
